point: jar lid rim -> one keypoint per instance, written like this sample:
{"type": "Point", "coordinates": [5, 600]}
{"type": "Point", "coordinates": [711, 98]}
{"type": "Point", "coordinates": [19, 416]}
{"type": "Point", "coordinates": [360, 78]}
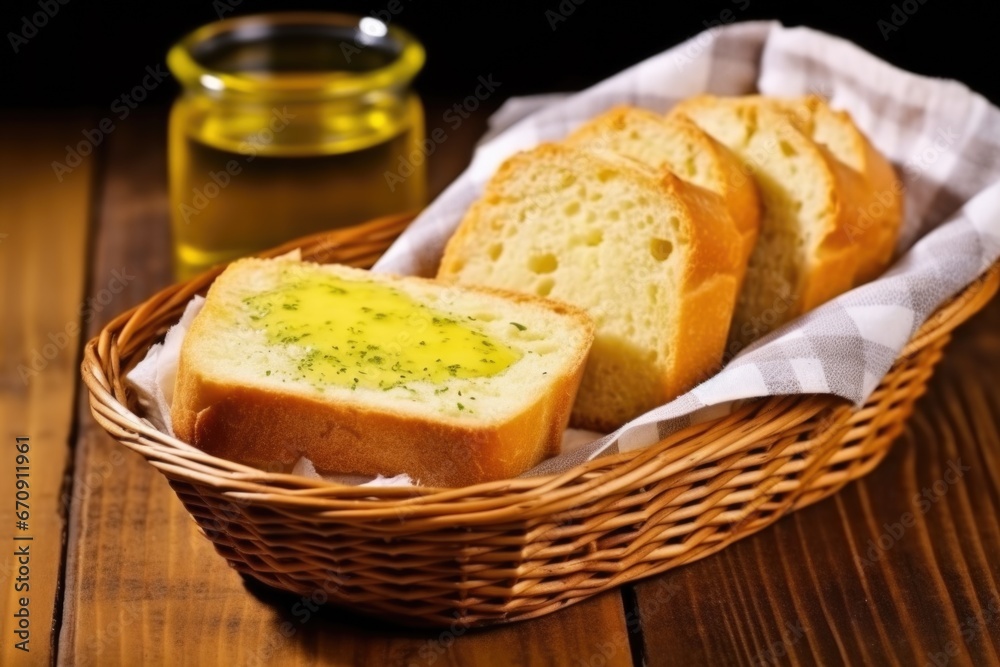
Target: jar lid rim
{"type": "Point", "coordinates": [192, 73]}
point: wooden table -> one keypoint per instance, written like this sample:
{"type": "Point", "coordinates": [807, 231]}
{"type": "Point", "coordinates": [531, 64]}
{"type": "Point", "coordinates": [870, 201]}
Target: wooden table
{"type": "Point", "coordinates": [120, 576]}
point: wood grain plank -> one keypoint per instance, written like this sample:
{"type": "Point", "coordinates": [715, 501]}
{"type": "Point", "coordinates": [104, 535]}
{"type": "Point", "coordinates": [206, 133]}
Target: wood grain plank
{"type": "Point", "coordinates": [43, 240]}
{"type": "Point", "coordinates": [144, 586]}
{"type": "Point", "coordinates": [847, 581]}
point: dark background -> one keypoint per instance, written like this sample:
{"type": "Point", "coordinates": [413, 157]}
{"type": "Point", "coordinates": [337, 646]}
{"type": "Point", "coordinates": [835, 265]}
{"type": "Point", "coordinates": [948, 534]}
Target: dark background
{"type": "Point", "coordinates": [88, 53]}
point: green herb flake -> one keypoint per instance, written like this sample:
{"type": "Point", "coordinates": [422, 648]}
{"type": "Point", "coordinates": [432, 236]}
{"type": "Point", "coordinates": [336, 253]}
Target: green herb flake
{"type": "Point", "coordinates": [520, 327]}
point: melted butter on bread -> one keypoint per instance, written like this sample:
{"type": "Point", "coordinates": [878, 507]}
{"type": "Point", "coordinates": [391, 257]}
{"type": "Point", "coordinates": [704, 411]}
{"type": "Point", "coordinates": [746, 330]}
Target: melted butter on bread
{"type": "Point", "coordinates": [370, 335]}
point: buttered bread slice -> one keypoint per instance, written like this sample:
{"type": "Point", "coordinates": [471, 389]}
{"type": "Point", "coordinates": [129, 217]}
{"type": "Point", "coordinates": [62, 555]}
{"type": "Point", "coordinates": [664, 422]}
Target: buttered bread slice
{"type": "Point", "coordinates": [805, 255]}
{"type": "Point", "coordinates": [371, 374]}
{"type": "Point", "coordinates": [677, 144]}
{"type": "Point", "coordinates": [653, 259]}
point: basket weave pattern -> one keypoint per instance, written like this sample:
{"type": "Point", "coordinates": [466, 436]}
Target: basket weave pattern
{"type": "Point", "coordinates": [514, 549]}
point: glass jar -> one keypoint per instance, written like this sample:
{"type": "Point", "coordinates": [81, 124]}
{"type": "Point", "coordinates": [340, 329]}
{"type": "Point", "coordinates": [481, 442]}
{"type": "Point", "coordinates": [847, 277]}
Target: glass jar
{"type": "Point", "coordinates": [288, 124]}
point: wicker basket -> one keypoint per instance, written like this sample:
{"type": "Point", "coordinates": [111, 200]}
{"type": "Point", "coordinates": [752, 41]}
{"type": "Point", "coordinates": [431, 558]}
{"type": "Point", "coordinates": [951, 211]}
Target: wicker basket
{"type": "Point", "coordinates": [514, 549]}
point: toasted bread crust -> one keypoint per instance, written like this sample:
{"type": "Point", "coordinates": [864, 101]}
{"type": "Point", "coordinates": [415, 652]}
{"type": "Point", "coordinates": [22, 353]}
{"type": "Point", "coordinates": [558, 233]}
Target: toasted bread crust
{"type": "Point", "coordinates": [261, 429]}
{"type": "Point", "coordinates": [266, 426]}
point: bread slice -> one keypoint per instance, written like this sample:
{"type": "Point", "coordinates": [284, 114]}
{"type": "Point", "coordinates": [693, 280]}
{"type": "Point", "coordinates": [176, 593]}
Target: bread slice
{"type": "Point", "coordinates": [805, 255]}
{"type": "Point", "coordinates": [653, 259]}
{"type": "Point", "coordinates": [881, 208]}
{"type": "Point", "coordinates": [372, 374]}
{"type": "Point", "coordinates": [677, 144]}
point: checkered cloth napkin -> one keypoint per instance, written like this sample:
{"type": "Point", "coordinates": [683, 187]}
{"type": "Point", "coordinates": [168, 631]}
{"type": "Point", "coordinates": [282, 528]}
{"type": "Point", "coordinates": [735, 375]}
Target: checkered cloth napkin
{"type": "Point", "coordinates": [942, 138]}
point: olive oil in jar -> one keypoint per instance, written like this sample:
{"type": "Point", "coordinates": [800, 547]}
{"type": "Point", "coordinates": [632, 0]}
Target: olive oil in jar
{"type": "Point", "coordinates": [290, 124]}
